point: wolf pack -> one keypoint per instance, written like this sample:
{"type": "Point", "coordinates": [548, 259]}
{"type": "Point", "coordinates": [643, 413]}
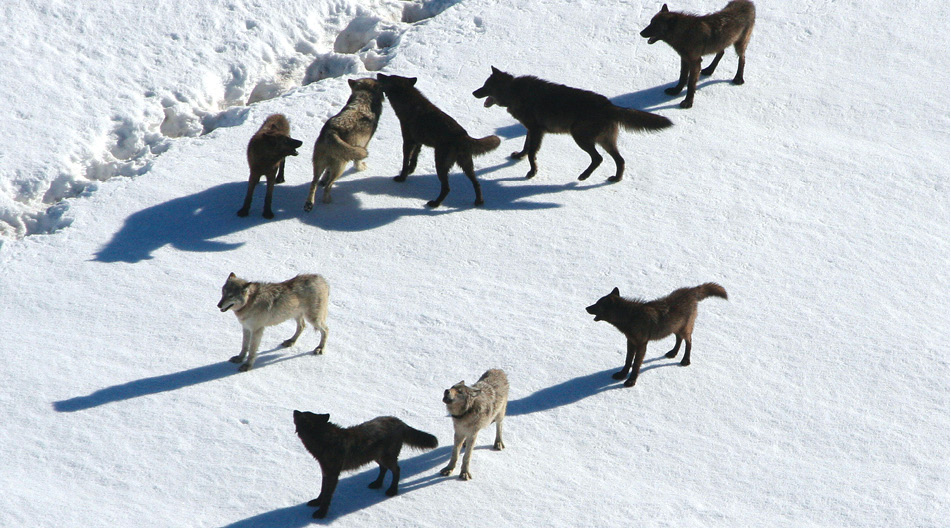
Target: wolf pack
{"type": "Point", "coordinates": [541, 107]}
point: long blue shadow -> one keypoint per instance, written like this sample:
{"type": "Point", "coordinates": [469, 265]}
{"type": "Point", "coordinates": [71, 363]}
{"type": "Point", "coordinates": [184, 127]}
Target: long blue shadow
{"type": "Point", "coordinates": [565, 393]}
{"type": "Point", "coordinates": [352, 494]}
{"type": "Point", "coordinates": [147, 386]}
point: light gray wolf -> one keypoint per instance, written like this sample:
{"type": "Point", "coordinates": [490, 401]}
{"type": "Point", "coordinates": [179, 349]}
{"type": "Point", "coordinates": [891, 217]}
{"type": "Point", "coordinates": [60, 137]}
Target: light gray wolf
{"type": "Point", "coordinates": [337, 449]}
{"type": "Point", "coordinates": [642, 321]}
{"type": "Point", "coordinates": [693, 36]}
{"type": "Point", "coordinates": [473, 408]}
{"type": "Point", "coordinates": [261, 304]}
{"type": "Point", "coordinates": [423, 124]}
{"type": "Point", "coordinates": [345, 136]}
{"type": "Point", "coordinates": [266, 152]}
{"type": "Point", "coordinates": [543, 107]}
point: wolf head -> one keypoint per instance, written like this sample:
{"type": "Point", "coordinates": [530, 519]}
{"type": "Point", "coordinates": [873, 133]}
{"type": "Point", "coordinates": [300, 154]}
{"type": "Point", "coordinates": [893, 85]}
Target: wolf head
{"type": "Point", "coordinates": [365, 85]}
{"type": "Point", "coordinates": [603, 309]}
{"type": "Point", "coordinates": [458, 396]}
{"type": "Point", "coordinates": [282, 145]}
{"type": "Point", "coordinates": [661, 25]}
{"type": "Point", "coordinates": [495, 89]}
{"type": "Point", "coordinates": [394, 83]}
{"type": "Point", "coordinates": [308, 421]}
{"type": "Point", "coordinates": [275, 134]}
{"type": "Point", "coordinates": [234, 294]}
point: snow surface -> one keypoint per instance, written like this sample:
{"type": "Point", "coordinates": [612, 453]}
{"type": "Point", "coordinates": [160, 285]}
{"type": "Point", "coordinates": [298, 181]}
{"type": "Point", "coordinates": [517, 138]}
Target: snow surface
{"type": "Point", "coordinates": [817, 194]}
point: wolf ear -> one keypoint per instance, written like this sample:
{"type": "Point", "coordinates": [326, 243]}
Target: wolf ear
{"type": "Point", "coordinates": [411, 81]}
{"type": "Point", "coordinates": [664, 9]}
{"type": "Point", "coordinates": [496, 71]}
{"type": "Point", "coordinates": [615, 291]}
{"type": "Point", "coordinates": [351, 82]}
{"type": "Point", "coordinates": [321, 418]}
{"type": "Point", "coordinates": [232, 276]}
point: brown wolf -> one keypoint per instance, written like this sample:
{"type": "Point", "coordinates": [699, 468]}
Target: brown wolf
{"type": "Point", "coordinates": [345, 136]}
{"type": "Point", "coordinates": [423, 124]}
{"type": "Point", "coordinates": [473, 408]}
{"type": "Point", "coordinates": [543, 106]}
{"type": "Point", "coordinates": [266, 152]}
{"type": "Point", "coordinates": [642, 321]}
{"type": "Point", "coordinates": [693, 36]}
{"type": "Point", "coordinates": [337, 449]}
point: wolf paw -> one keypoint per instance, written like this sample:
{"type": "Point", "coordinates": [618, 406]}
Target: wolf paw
{"type": "Point", "coordinates": [619, 375]}
{"type": "Point", "coordinates": [629, 383]}
{"type": "Point", "coordinates": [686, 104]}
{"type": "Point", "coordinates": [614, 179]}
{"type": "Point", "coordinates": [517, 155]}
{"type": "Point", "coordinates": [499, 445]}
{"type": "Point", "coordinates": [432, 204]}
{"type": "Point", "coordinates": [738, 81]}
{"type": "Point", "coordinates": [243, 212]}
{"type": "Point", "coordinates": [236, 359]}
{"type": "Point", "coordinates": [376, 484]}
{"type": "Point", "coordinates": [320, 514]}
{"type": "Point", "coordinates": [673, 91]}
{"type": "Point", "coordinates": [399, 178]}
{"type": "Point", "coordinates": [308, 206]}
{"type": "Point", "coordinates": [446, 471]}
{"type": "Point", "coordinates": [465, 475]}
{"type": "Point", "coordinates": [268, 214]}
{"type": "Point", "coordinates": [392, 492]}
{"type": "Point", "coordinates": [685, 363]}
{"type": "Point", "coordinates": [360, 165]}
{"type": "Point", "coordinates": [244, 368]}
{"type": "Point", "coordinates": [530, 174]}
{"type": "Point", "coordinates": [318, 351]}
{"type": "Point", "coordinates": [672, 354]}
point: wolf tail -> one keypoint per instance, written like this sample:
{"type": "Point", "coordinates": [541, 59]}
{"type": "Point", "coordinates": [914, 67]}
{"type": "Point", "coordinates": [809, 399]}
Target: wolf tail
{"type": "Point", "coordinates": [639, 120]}
{"type": "Point", "coordinates": [710, 289]}
{"type": "Point", "coordinates": [353, 152]}
{"type": "Point", "coordinates": [482, 146]}
{"type": "Point", "coordinates": [419, 439]}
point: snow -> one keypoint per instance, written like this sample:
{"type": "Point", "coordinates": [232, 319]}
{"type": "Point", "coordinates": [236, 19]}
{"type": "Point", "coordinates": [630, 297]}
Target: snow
{"type": "Point", "coordinates": [817, 194]}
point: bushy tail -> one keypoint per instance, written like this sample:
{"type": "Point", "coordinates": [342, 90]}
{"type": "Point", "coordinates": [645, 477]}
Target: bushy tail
{"type": "Point", "coordinates": [710, 289]}
{"type": "Point", "coordinates": [484, 145]}
{"type": "Point", "coordinates": [353, 152]}
{"type": "Point", "coordinates": [638, 120]}
{"type": "Point", "coordinates": [419, 439]}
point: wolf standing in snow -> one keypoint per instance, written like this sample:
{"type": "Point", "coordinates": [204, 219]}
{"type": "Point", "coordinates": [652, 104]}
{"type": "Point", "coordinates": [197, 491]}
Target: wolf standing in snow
{"type": "Point", "coordinates": [266, 152]}
{"type": "Point", "coordinates": [337, 449]}
{"type": "Point", "coordinates": [345, 136]}
{"type": "Point", "coordinates": [261, 304]}
{"type": "Point", "coordinates": [694, 36]}
{"type": "Point", "coordinates": [422, 123]}
{"type": "Point", "coordinates": [542, 107]}
{"type": "Point", "coordinates": [642, 321]}
{"type": "Point", "coordinates": [473, 408]}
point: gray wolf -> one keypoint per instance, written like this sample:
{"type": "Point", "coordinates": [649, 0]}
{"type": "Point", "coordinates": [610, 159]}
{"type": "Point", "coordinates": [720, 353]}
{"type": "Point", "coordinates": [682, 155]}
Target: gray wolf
{"type": "Point", "coordinates": [423, 124]}
{"type": "Point", "coordinates": [261, 304]}
{"type": "Point", "coordinates": [266, 152]}
{"type": "Point", "coordinates": [643, 321]}
{"type": "Point", "coordinates": [473, 408]}
{"type": "Point", "coordinates": [337, 449]}
{"type": "Point", "coordinates": [543, 106]}
{"type": "Point", "coordinates": [693, 36]}
{"type": "Point", "coordinates": [345, 136]}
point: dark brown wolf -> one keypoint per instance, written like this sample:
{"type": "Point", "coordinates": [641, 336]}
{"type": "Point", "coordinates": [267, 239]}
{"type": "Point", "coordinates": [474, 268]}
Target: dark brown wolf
{"type": "Point", "coordinates": [266, 152]}
{"type": "Point", "coordinates": [693, 36]}
{"type": "Point", "coordinates": [543, 106]}
{"type": "Point", "coordinates": [337, 449]}
{"type": "Point", "coordinates": [643, 321]}
{"type": "Point", "coordinates": [423, 124]}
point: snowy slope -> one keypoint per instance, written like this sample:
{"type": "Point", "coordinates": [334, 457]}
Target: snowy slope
{"type": "Point", "coordinates": [817, 194]}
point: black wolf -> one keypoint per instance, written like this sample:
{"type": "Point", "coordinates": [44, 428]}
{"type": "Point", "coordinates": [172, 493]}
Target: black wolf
{"type": "Point", "coordinates": [337, 449]}
{"type": "Point", "coordinates": [543, 106]}
{"type": "Point", "coordinates": [643, 321]}
{"type": "Point", "coordinates": [266, 152]}
{"type": "Point", "coordinates": [693, 36]}
{"type": "Point", "coordinates": [424, 124]}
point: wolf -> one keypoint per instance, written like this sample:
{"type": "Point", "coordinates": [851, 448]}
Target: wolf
{"type": "Point", "coordinates": [473, 408]}
{"type": "Point", "coordinates": [423, 124]}
{"type": "Point", "coordinates": [261, 304]}
{"type": "Point", "coordinates": [345, 136]}
{"type": "Point", "coordinates": [337, 449]}
{"type": "Point", "coordinates": [266, 152]}
{"type": "Point", "coordinates": [693, 36]}
{"type": "Point", "coordinates": [543, 106]}
{"type": "Point", "coordinates": [642, 321]}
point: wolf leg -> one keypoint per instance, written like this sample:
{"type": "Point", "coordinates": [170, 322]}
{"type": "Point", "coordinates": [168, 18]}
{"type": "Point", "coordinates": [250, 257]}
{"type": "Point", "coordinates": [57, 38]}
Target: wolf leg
{"type": "Point", "coordinates": [394, 488]}
{"type": "Point", "coordinates": [673, 352]}
{"type": "Point", "coordinates": [636, 369]}
{"type": "Point", "coordinates": [324, 330]}
{"type": "Point", "coordinates": [410, 155]}
{"type": "Point", "coordinates": [252, 183]}
{"type": "Point", "coordinates": [528, 141]}
{"type": "Point", "coordinates": [333, 174]}
{"type": "Point", "coordinates": [327, 486]}
{"type": "Point", "coordinates": [300, 328]}
{"type": "Point", "coordinates": [270, 175]}
{"type": "Point", "coordinates": [465, 162]}
{"type": "Point", "coordinates": [713, 65]}
{"type": "Point", "coordinates": [499, 444]}
{"type": "Point", "coordinates": [464, 473]}
{"type": "Point", "coordinates": [684, 69]}
{"type": "Point", "coordinates": [585, 140]}
{"type": "Point", "coordinates": [610, 146]}
{"type": "Point", "coordinates": [691, 84]}
{"type": "Point", "coordinates": [320, 179]}
{"type": "Point", "coordinates": [280, 173]}
{"type": "Point", "coordinates": [686, 360]}
{"type": "Point", "coordinates": [252, 349]}
{"type": "Point", "coordinates": [444, 162]}
{"type": "Point", "coordinates": [532, 147]}
{"type": "Point", "coordinates": [457, 441]}
{"type": "Point", "coordinates": [245, 345]}
{"type": "Point", "coordinates": [378, 483]}
{"type": "Point", "coordinates": [621, 374]}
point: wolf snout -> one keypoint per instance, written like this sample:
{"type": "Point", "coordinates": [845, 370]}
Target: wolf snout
{"type": "Point", "coordinates": [445, 397]}
{"type": "Point", "coordinates": [225, 308]}
{"type": "Point", "coordinates": [489, 101]}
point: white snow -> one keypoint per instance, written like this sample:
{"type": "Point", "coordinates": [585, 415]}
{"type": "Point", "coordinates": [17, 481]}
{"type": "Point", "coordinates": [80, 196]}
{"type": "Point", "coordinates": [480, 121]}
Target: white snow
{"type": "Point", "coordinates": [817, 194]}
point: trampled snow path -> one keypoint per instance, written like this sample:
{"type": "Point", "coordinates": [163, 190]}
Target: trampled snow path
{"type": "Point", "coordinates": [817, 194]}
